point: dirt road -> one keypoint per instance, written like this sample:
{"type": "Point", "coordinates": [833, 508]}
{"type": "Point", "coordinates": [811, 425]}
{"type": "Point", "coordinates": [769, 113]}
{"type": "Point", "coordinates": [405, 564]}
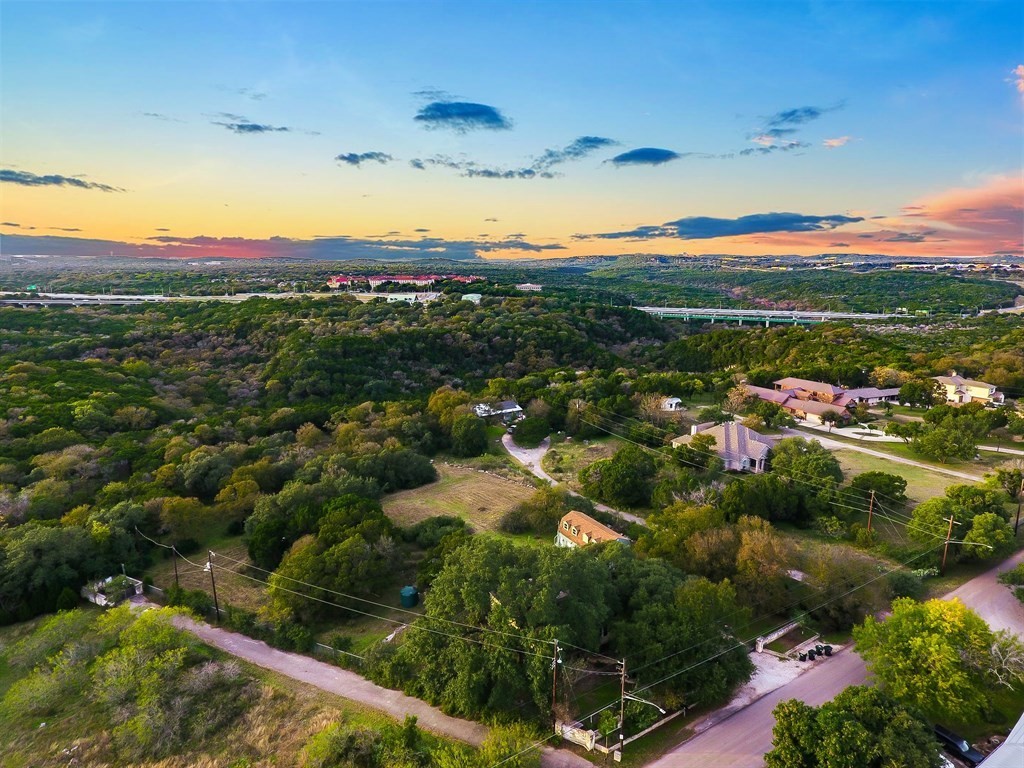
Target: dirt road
{"type": "Point", "coordinates": [531, 459]}
{"type": "Point", "coordinates": [351, 686]}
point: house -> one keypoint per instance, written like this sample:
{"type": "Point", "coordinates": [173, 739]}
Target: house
{"type": "Point", "coordinates": [672, 404]}
{"type": "Point", "coordinates": [867, 395]}
{"type": "Point", "coordinates": [577, 530]}
{"type": "Point", "coordinates": [112, 590]}
{"type": "Point", "coordinates": [960, 390]}
{"type": "Point", "coordinates": [803, 408]}
{"type": "Point", "coordinates": [419, 280]}
{"type": "Point", "coordinates": [529, 287]}
{"type": "Point", "coordinates": [740, 448]}
{"type": "Point", "coordinates": [508, 410]}
{"type": "Point", "coordinates": [804, 389]}
{"type": "Point", "coordinates": [340, 281]}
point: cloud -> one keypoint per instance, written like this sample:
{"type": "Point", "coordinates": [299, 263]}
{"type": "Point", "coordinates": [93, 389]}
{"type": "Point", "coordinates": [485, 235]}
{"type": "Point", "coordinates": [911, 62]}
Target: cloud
{"type": "Point", "coordinates": [838, 245]}
{"type": "Point", "coordinates": [421, 229]}
{"type": "Point", "coordinates": [797, 116]}
{"type": "Point", "coordinates": [252, 128]}
{"type": "Point", "coordinates": [1018, 78]}
{"type": "Point", "coordinates": [645, 156]}
{"type": "Point", "coordinates": [491, 218]}
{"type": "Point", "coordinates": [163, 117]}
{"type": "Point", "coordinates": [707, 227]}
{"type": "Point", "coordinates": [767, 149]}
{"type": "Point", "coordinates": [418, 164]}
{"type": "Point", "coordinates": [358, 158]}
{"type": "Point", "coordinates": [462, 116]}
{"type": "Point", "coordinates": [26, 179]}
{"type": "Point", "coordinates": [839, 141]}
{"type": "Point", "coordinates": [161, 229]}
{"type": "Point", "coordinates": [249, 93]}
{"type": "Point", "coordinates": [331, 247]}
{"type": "Point", "coordinates": [472, 170]}
{"type": "Point", "coordinates": [9, 224]}
{"type": "Point", "coordinates": [905, 237]}
{"type": "Point", "coordinates": [67, 229]}
{"type": "Point", "coordinates": [576, 150]}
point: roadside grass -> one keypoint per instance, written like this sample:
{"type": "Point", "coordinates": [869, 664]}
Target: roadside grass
{"type": "Point", "coordinates": [478, 498]}
{"type": "Point", "coordinates": [565, 459]}
{"type": "Point", "coordinates": [273, 731]}
{"type": "Point", "coordinates": [922, 484]}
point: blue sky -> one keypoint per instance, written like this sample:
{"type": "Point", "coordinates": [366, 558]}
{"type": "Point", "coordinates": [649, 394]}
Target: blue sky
{"type": "Point", "coordinates": [511, 129]}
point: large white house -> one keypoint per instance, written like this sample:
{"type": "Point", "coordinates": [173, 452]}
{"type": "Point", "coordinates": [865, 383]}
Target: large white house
{"type": "Point", "coordinates": [960, 390]}
{"type": "Point", "coordinates": [740, 448]}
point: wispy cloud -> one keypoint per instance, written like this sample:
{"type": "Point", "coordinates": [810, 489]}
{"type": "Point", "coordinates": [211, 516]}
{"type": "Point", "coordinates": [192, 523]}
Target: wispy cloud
{"type": "Point", "coordinates": [253, 128]}
{"type": "Point", "coordinates": [839, 141]}
{"type": "Point", "coordinates": [1018, 78]}
{"type": "Point", "coordinates": [645, 156]}
{"type": "Point", "coordinates": [707, 227]}
{"type": "Point", "coordinates": [462, 116]}
{"type": "Point", "coordinates": [26, 179]}
{"type": "Point", "coordinates": [358, 158]}
{"type": "Point", "coordinates": [540, 168]}
{"type": "Point", "coordinates": [768, 148]}
{"type": "Point", "coordinates": [777, 131]}
{"type": "Point", "coordinates": [161, 116]}
{"type": "Point", "coordinates": [576, 150]}
{"type": "Point", "coordinates": [797, 116]}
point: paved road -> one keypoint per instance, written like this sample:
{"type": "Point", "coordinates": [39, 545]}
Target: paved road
{"type": "Point", "coordinates": [742, 740]}
{"type": "Point", "coordinates": [351, 686]}
{"type": "Point", "coordinates": [836, 445]}
{"type": "Point", "coordinates": [531, 459]}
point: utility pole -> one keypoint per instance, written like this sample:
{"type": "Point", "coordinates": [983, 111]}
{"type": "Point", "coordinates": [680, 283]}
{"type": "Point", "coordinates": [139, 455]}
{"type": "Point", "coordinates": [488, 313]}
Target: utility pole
{"type": "Point", "coordinates": [871, 509]}
{"type": "Point", "coordinates": [945, 548]}
{"type": "Point", "coordinates": [174, 559]}
{"type": "Point", "coordinates": [1020, 498]}
{"type": "Point", "coordinates": [213, 581]}
{"type": "Point", "coordinates": [554, 678]}
{"type": "Point", "coordinates": [622, 709]}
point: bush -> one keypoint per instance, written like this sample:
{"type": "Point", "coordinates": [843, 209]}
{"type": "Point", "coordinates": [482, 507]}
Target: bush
{"type": "Point", "coordinates": [196, 600]}
{"type": "Point", "coordinates": [905, 584]}
{"type": "Point", "coordinates": [428, 533]}
{"type": "Point", "coordinates": [530, 432]}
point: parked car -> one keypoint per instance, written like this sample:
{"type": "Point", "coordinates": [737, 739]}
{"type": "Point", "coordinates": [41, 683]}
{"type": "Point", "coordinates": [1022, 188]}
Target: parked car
{"type": "Point", "coordinates": [958, 746]}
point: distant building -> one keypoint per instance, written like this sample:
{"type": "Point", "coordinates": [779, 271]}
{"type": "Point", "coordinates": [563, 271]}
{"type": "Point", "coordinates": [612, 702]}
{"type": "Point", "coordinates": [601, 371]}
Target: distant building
{"type": "Point", "coordinates": [577, 530]}
{"type": "Point", "coordinates": [959, 390]}
{"type": "Point", "coordinates": [507, 410]}
{"type": "Point", "coordinates": [529, 287]}
{"type": "Point", "coordinates": [802, 408]}
{"type": "Point", "coordinates": [418, 280]}
{"type": "Point", "coordinates": [473, 297]}
{"type": "Point", "coordinates": [340, 281]}
{"type": "Point", "coordinates": [804, 389]}
{"type": "Point", "coordinates": [672, 404]}
{"type": "Point", "coordinates": [868, 395]}
{"type": "Point", "coordinates": [740, 448]}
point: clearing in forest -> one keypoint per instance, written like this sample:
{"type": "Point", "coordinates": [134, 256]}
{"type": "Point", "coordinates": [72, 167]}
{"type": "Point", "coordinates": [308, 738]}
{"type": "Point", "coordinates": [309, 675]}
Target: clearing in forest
{"type": "Point", "coordinates": [479, 498]}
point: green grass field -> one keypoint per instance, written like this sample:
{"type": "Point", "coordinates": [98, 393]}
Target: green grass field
{"type": "Point", "coordinates": [922, 484]}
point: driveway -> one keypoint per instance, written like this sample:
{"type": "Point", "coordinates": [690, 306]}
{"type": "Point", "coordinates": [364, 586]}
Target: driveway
{"type": "Point", "coordinates": [835, 445]}
{"type": "Point", "coordinates": [531, 459]}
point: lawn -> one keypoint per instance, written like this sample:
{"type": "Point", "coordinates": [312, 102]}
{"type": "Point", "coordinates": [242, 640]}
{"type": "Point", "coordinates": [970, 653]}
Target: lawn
{"type": "Point", "coordinates": [922, 484]}
{"type": "Point", "coordinates": [565, 460]}
{"type": "Point", "coordinates": [480, 498]}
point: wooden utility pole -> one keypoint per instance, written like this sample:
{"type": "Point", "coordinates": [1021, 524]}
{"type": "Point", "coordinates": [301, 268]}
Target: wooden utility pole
{"type": "Point", "coordinates": [1020, 498]}
{"type": "Point", "coordinates": [554, 679]}
{"type": "Point", "coordinates": [622, 709]}
{"type": "Point", "coordinates": [945, 548]}
{"type": "Point", "coordinates": [174, 559]}
{"type": "Point", "coordinates": [871, 509]}
{"type": "Point", "coordinates": [213, 582]}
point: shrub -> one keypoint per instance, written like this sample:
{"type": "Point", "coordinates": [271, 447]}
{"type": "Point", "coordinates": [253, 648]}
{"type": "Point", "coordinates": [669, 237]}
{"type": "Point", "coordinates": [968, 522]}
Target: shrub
{"type": "Point", "coordinates": [530, 432]}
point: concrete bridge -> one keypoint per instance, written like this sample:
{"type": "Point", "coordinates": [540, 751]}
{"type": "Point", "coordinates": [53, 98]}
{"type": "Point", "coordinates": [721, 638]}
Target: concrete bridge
{"type": "Point", "coordinates": [766, 316]}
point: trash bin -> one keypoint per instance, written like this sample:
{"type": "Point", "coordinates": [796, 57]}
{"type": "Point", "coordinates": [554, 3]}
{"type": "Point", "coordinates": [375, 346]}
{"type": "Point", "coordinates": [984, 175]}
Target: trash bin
{"type": "Point", "coordinates": [803, 657]}
{"type": "Point", "coordinates": [810, 655]}
{"type": "Point", "coordinates": [410, 597]}
{"type": "Point", "coordinates": [828, 650]}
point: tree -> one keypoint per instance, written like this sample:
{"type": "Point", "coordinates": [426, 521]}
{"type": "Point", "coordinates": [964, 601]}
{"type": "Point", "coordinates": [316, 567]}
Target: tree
{"type": "Point", "coordinates": [921, 393]}
{"type": "Point", "coordinates": [934, 656]}
{"type": "Point", "coordinates": [862, 727]}
{"type": "Point", "coordinates": [623, 479]}
{"type": "Point", "coordinates": [530, 432]}
{"type": "Point", "coordinates": [990, 536]}
{"type": "Point", "coordinates": [761, 565]}
{"type": "Point", "coordinates": [890, 489]}
{"type": "Point", "coordinates": [469, 435]}
{"type": "Point", "coordinates": [831, 418]}
{"type": "Point", "coordinates": [846, 588]}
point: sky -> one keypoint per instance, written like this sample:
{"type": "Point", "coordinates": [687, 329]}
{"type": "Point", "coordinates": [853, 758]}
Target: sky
{"type": "Point", "coordinates": [506, 130]}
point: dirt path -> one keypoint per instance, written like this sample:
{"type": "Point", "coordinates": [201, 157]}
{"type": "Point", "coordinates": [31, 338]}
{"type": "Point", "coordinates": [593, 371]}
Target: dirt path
{"type": "Point", "coordinates": [350, 685]}
{"type": "Point", "coordinates": [836, 445]}
{"type": "Point", "coordinates": [531, 459]}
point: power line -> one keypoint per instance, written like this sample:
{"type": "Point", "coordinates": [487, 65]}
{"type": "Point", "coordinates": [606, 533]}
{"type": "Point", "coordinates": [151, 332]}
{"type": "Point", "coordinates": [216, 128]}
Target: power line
{"type": "Point", "coordinates": [403, 610]}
